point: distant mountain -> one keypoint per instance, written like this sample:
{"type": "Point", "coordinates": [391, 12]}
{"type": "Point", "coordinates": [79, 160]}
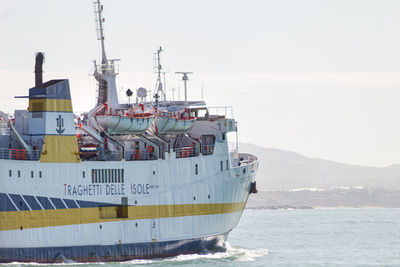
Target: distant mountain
{"type": "Point", "coordinates": [283, 170]}
{"type": "Point", "coordinates": [355, 198]}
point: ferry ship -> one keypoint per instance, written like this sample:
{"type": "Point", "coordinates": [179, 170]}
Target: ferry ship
{"type": "Point", "coordinates": [152, 178]}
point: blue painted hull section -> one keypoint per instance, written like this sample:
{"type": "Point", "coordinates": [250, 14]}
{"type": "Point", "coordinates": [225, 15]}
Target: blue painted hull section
{"type": "Point", "coordinates": [119, 252]}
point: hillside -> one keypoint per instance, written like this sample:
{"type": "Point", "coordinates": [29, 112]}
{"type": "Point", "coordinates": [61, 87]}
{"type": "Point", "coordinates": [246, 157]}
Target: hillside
{"type": "Point", "coordinates": [283, 171]}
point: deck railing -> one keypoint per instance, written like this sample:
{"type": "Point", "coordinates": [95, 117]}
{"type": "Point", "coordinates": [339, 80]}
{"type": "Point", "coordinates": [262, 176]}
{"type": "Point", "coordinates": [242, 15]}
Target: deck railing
{"type": "Point", "coordinates": [220, 111]}
{"type": "Point", "coordinates": [186, 152]}
{"type": "Point", "coordinates": [116, 155]}
{"type": "Point", "coordinates": [19, 154]}
{"type": "Point", "coordinates": [140, 155]}
{"type": "Point", "coordinates": [148, 154]}
{"type": "Point", "coordinates": [245, 158]}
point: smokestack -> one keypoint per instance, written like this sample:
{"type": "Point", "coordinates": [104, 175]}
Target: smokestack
{"type": "Point", "coordinates": [39, 69]}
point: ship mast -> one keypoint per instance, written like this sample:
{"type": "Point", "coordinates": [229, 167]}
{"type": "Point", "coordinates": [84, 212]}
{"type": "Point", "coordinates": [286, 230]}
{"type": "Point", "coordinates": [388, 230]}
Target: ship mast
{"type": "Point", "coordinates": [106, 71]}
{"type": "Point", "coordinates": [159, 86]}
{"type": "Point", "coordinates": [98, 10]}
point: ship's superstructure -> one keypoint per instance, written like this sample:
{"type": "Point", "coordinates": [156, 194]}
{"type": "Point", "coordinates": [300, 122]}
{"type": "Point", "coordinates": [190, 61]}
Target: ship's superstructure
{"type": "Point", "coordinates": [122, 181]}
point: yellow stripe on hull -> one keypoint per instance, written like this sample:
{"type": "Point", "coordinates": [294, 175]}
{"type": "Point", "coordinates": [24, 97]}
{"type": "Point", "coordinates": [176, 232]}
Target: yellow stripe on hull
{"type": "Point", "coordinates": [42, 105]}
{"type": "Point", "coordinates": [14, 220]}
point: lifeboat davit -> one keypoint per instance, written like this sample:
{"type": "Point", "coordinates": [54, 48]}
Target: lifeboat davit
{"type": "Point", "coordinates": [125, 124]}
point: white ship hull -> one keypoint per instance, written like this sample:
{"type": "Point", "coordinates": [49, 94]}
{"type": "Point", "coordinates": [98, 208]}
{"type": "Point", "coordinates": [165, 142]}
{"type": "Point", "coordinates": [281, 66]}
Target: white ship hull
{"type": "Point", "coordinates": [170, 209]}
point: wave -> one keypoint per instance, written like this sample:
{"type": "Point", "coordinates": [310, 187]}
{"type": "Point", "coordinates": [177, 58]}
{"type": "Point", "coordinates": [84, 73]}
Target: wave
{"type": "Point", "coordinates": [228, 255]}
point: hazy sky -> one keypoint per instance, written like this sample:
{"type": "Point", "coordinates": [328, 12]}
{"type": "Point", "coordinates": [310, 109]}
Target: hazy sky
{"type": "Point", "coordinates": [321, 78]}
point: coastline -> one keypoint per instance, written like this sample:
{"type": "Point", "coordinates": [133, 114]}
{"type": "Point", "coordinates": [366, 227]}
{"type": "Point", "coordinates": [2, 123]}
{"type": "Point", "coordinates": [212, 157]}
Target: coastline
{"type": "Point", "coordinates": [353, 198]}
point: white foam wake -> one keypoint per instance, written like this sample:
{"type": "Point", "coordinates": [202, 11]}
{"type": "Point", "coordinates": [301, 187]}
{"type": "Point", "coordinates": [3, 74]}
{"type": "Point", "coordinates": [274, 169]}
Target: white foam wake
{"type": "Point", "coordinates": [235, 254]}
{"type": "Point", "coordinates": [230, 254]}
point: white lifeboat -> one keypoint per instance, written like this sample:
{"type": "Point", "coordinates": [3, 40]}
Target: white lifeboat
{"type": "Point", "coordinates": [125, 124]}
{"type": "Point", "coordinates": [174, 123]}
{"type": "Point", "coordinates": [130, 123]}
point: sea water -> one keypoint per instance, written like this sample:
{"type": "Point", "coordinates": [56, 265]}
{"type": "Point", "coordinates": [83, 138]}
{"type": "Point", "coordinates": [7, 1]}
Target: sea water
{"type": "Point", "coordinates": [319, 237]}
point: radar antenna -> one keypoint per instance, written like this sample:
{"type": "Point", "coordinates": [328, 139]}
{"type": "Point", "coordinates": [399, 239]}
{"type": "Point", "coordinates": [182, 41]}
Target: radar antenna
{"type": "Point", "coordinates": [185, 78]}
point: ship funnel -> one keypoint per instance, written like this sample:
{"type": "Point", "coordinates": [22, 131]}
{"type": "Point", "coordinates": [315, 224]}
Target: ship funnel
{"type": "Point", "coordinates": [39, 69]}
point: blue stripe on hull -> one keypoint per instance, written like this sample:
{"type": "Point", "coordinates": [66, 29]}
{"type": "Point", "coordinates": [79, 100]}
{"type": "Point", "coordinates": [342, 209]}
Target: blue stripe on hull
{"type": "Point", "coordinates": [6, 203]}
{"type": "Point", "coordinates": [117, 252]}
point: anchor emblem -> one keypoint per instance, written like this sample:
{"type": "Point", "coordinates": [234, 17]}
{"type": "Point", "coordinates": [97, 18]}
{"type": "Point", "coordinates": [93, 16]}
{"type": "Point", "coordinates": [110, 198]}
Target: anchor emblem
{"type": "Point", "coordinates": [60, 124]}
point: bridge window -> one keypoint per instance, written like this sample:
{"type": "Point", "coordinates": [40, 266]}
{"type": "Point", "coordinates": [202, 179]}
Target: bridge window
{"type": "Point", "coordinates": [19, 173]}
{"type": "Point", "coordinates": [83, 174]}
{"type": "Point", "coordinates": [196, 168]}
{"type": "Point", "coordinates": [9, 173]}
{"type": "Point", "coordinates": [221, 165]}
{"type": "Point", "coordinates": [40, 174]}
{"type": "Point", "coordinates": [31, 174]}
